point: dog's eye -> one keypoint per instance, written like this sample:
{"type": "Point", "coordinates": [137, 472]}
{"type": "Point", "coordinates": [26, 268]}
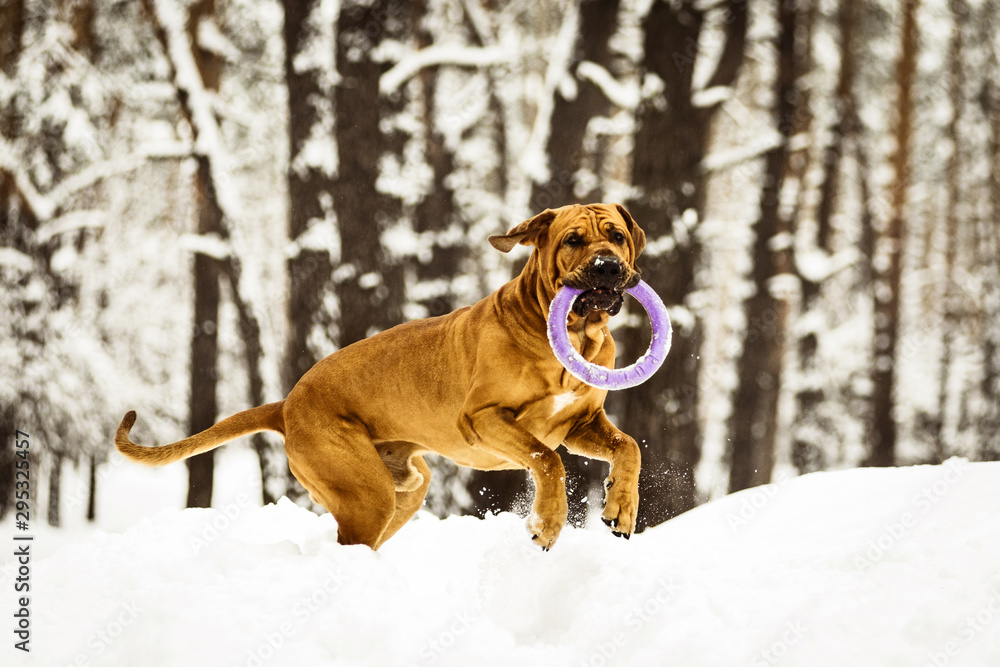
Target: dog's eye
{"type": "Point", "coordinates": [618, 238]}
{"type": "Point", "coordinates": [573, 241]}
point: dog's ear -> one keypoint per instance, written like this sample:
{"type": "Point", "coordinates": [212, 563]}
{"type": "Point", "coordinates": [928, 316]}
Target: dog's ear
{"type": "Point", "coordinates": [638, 236]}
{"type": "Point", "coordinates": [526, 233]}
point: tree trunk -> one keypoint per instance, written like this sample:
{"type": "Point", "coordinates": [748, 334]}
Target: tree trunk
{"type": "Point", "coordinates": [670, 144]}
{"type": "Point", "coordinates": [989, 261]}
{"type": "Point", "coordinates": [495, 490]}
{"type": "Point", "coordinates": [55, 482]}
{"type": "Point", "coordinates": [882, 440]}
{"type": "Point", "coordinates": [843, 126]}
{"type": "Point", "coordinates": [435, 219]}
{"type": "Point", "coordinates": [565, 150]}
{"type": "Point", "coordinates": [310, 210]}
{"type": "Point", "coordinates": [310, 194]}
{"type": "Point", "coordinates": [80, 16]}
{"type": "Point", "coordinates": [951, 301]}
{"type": "Point", "coordinates": [92, 489]}
{"type": "Point", "coordinates": [275, 477]}
{"type": "Point", "coordinates": [12, 20]}
{"type": "Point", "coordinates": [12, 229]}
{"type": "Point", "coordinates": [8, 431]}
{"type": "Point", "coordinates": [203, 410]}
{"type": "Point", "coordinates": [753, 423]}
{"type": "Point", "coordinates": [369, 287]}
{"type": "Point", "coordinates": [435, 214]}
{"type": "Point", "coordinates": [808, 452]}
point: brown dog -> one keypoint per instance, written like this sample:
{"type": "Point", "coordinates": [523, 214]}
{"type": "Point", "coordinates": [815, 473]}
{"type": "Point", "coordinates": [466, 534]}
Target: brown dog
{"type": "Point", "coordinates": [480, 386]}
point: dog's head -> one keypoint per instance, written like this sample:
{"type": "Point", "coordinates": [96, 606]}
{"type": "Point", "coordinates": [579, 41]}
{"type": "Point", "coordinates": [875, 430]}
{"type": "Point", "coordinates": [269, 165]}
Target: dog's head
{"type": "Point", "coordinates": [592, 248]}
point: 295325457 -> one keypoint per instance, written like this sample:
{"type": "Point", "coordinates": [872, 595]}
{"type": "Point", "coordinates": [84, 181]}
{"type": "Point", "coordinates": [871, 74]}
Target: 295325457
{"type": "Point", "coordinates": [22, 481]}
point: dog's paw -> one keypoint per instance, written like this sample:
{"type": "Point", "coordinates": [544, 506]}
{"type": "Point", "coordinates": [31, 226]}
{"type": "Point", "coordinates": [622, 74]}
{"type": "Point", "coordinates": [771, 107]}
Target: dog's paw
{"type": "Point", "coordinates": [621, 506]}
{"type": "Point", "coordinates": [544, 531]}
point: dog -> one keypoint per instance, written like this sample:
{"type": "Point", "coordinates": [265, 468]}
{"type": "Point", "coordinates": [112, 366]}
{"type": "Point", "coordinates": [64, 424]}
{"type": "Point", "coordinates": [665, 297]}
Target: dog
{"type": "Point", "coordinates": [480, 386]}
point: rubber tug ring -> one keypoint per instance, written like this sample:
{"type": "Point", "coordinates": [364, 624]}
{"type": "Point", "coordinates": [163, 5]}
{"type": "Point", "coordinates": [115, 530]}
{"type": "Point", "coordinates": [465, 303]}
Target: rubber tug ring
{"type": "Point", "coordinates": [599, 376]}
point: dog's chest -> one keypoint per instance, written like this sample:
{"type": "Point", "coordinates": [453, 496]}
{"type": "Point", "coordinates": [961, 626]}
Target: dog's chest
{"type": "Point", "coordinates": [551, 418]}
{"type": "Point", "coordinates": [562, 401]}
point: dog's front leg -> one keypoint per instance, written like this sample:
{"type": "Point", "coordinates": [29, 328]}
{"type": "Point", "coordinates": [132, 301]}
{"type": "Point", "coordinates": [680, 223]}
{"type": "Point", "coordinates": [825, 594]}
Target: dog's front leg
{"type": "Point", "coordinates": [496, 430]}
{"type": "Point", "coordinates": [600, 439]}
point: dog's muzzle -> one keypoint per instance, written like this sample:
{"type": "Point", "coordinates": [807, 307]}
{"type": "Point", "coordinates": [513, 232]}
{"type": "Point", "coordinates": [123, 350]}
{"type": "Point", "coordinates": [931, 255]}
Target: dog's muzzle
{"type": "Point", "coordinates": [603, 281]}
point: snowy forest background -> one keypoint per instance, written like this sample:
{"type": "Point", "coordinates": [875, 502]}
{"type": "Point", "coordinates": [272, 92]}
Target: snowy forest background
{"type": "Point", "coordinates": [198, 200]}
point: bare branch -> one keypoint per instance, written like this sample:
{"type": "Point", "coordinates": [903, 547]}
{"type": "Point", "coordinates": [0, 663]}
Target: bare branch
{"type": "Point", "coordinates": [460, 56]}
{"type": "Point", "coordinates": [624, 95]}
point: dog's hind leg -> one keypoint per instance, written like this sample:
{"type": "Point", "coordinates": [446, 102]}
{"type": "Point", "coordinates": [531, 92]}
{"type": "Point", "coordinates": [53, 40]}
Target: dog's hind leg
{"type": "Point", "coordinates": [298, 475]}
{"type": "Point", "coordinates": [342, 470]}
{"type": "Point", "coordinates": [398, 456]}
{"type": "Point", "coordinates": [408, 502]}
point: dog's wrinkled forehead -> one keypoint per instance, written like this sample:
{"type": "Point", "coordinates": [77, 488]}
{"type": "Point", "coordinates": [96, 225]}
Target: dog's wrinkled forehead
{"type": "Point", "coordinates": [605, 228]}
{"type": "Point", "coordinates": [552, 223]}
{"type": "Point", "coordinates": [582, 218]}
{"type": "Point", "coordinates": [590, 220]}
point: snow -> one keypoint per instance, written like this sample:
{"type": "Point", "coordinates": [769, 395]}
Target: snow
{"type": "Point", "coordinates": [322, 233]}
{"type": "Point", "coordinates": [317, 52]}
{"type": "Point", "coordinates": [318, 151]}
{"type": "Point", "coordinates": [9, 163]}
{"type": "Point", "coordinates": [448, 54]}
{"type": "Point", "coordinates": [624, 95]}
{"type": "Point", "coordinates": [211, 39]}
{"type": "Point", "coordinates": [709, 97]}
{"type": "Point", "coordinates": [784, 286]}
{"type": "Point", "coordinates": [15, 259]}
{"type": "Point", "coordinates": [69, 222]}
{"type": "Point", "coordinates": [729, 158]}
{"type": "Point", "coordinates": [211, 245]}
{"type": "Point", "coordinates": [869, 566]}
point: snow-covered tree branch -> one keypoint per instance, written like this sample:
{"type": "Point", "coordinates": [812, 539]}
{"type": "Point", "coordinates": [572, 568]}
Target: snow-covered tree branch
{"type": "Point", "coordinates": [435, 56]}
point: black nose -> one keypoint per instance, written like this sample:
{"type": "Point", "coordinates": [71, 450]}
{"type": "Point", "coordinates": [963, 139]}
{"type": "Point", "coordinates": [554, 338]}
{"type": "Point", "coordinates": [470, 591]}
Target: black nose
{"type": "Point", "coordinates": [607, 267]}
{"type": "Point", "coordinates": [606, 271]}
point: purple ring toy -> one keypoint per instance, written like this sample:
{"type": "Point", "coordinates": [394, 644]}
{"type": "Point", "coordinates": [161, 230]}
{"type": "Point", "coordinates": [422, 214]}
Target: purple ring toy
{"type": "Point", "coordinates": [599, 376]}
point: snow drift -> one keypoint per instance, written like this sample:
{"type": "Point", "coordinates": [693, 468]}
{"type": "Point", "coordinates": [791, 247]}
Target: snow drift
{"type": "Point", "coordinates": [880, 567]}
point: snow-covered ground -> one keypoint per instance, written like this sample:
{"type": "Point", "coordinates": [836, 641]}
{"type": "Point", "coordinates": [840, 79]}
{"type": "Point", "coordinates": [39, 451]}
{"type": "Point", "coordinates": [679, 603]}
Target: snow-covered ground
{"type": "Point", "coordinates": [881, 567]}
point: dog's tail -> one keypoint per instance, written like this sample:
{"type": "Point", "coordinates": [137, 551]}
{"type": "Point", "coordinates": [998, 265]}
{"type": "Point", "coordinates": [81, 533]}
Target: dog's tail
{"type": "Point", "coordinates": [268, 417]}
